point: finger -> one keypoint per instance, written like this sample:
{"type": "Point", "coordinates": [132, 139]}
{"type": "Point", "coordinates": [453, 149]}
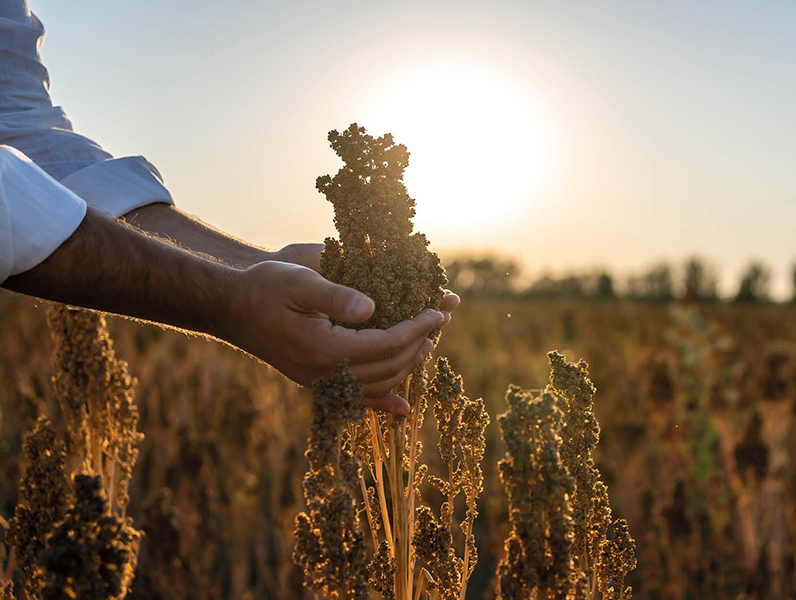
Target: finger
{"type": "Point", "coordinates": [382, 387]}
{"type": "Point", "coordinates": [449, 301]}
{"type": "Point", "coordinates": [307, 255]}
{"type": "Point", "coordinates": [313, 293]}
{"type": "Point", "coordinates": [388, 403]}
{"type": "Point", "coordinates": [447, 316]}
{"type": "Point", "coordinates": [311, 256]}
{"type": "Point", "coordinates": [368, 345]}
{"type": "Point", "coordinates": [375, 371]}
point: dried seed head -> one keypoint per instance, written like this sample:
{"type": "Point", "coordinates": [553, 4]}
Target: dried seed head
{"type": "Point", "coordinates": [539, 561]}
{"type": "Point", "coordinates": [96, 395]}
{"type": "Point", "coordinates": [7, 591]}
{"type": "Point", "coordinates": [617, 559]}
{"type": "Point", "coordinates": [382, 572]}
{"type": "Point", "coordinates": [377, 253]}
{"type": "Point", "coordinates": [330, 545]}
{"type": "Point", "coordinates": [446, 393]}
{"type": "Point", "coordinates": [91, 554]}
{"type": "Point", "coordinates": [434, 547]}
{"type": "Point", "coordinates": [44, 497]}
{"type": "Point", "coordinates": [558, 504]}
{"type": "Point", "coordinates": [580, 433]}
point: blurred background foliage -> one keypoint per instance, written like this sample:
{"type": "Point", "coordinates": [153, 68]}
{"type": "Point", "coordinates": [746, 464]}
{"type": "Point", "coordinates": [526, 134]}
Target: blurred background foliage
{"type": "Point", "coordinates": [695, 280]}
{"type": "Point", "coordinates": [697, 403]}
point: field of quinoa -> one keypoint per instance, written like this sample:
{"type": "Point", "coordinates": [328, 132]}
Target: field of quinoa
{"type": "Point", "coordinates": [569, 450]}
{"type": "Point", "coordinates": [697, 408]}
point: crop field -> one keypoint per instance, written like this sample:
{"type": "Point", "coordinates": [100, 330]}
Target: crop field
{"type": "Point", "coordinates": [570, 450]}
{"type": "Point", "coordinates": [697, 406]}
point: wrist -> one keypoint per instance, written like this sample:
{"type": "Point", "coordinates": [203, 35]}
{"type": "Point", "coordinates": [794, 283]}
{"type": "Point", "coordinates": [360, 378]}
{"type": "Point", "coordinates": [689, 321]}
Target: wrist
{"type": "Point", "coordinates": [225, 310]}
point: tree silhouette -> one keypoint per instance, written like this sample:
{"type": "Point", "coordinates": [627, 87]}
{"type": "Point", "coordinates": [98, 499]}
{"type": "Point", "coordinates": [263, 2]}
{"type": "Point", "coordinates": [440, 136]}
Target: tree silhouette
{"type": "Point", "coordinates": [655, 284]}
{"type": "Point", "coordinates": [570, 287]}
{"type": "Point", "coordinates": [605, 286]}
{"type": "Point", "coordinates": [794, 284]}
{"type": "Point", "coordinates": [754, 284]}
{"type": "Point", "coordinates": [700, 281]}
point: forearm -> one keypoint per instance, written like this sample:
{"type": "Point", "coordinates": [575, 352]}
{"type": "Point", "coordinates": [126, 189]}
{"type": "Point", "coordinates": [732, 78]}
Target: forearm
{"type": "Point", "coordinates": [167, 222]}
{"type": "Point", "coordinates": [108, 266]}
{"type": "Point", "coordinates": [274, 310]}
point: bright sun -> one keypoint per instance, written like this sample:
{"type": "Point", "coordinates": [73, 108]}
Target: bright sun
{"type": "Point", "coordinates": [481, 150]}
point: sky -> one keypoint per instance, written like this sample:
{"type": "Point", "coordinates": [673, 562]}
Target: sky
{"type": "Point", "coordinates": [570, 135]}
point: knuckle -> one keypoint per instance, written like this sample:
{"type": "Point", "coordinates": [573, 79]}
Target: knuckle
{"type": "Point", "coordinates": [389, 353]}
{"type": "Point", "coordinates": [374, 390]}
{"type": "Point", "coordinates": [332, 296]}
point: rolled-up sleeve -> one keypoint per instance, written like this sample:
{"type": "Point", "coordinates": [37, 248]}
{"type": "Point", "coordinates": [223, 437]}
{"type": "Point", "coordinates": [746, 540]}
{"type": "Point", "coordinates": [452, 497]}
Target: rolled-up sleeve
{"type": "Point", "coordinates": [37, 214]}
{"type": "Point", "coordinates": [31, 124]}
{"type": "Point", "coordinates": [118, 185]}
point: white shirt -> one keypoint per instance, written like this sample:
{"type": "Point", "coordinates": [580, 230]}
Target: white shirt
{"type": "Point", "coordinates": [37, 213]}
{"type": "Point", "coordinates": [42, 204]}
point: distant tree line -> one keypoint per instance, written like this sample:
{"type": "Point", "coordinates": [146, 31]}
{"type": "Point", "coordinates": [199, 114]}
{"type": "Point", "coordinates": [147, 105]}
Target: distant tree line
{"type": "Point", "coordinates": [696, 282]}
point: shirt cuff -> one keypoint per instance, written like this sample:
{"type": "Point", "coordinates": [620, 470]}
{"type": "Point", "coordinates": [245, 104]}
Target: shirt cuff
{"type": "Point", "coordinates": [37, 214]}
{"type": "Point", "coordinates": [118, 185]}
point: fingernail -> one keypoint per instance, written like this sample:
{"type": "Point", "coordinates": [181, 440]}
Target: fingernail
{"type": "Point", "coordinates": [360, 306]}
{"type": "Point", "coordinates": [427, 347]}
{"type": "Point", "coordinates": [401, 409]}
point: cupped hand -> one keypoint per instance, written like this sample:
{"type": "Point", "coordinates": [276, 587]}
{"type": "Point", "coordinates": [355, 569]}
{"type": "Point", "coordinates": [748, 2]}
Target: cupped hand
{"type": "Point", "coordinates": [306, 255]}
{"type": "Point", "coordinates": [309, 255]}
{"type": "Point", "coordinates": [281, 313]}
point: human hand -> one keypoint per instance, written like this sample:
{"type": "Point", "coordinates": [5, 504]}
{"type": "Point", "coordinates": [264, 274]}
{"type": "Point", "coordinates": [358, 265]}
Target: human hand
{"type": "Point", "coordinates": [309, 255]}
{"type": "Point", "coordinates": [306, 255]}
{"type": "Point", "coordinates": [448, 303]}
{"type": "Point", "coordinates": [281, 313]}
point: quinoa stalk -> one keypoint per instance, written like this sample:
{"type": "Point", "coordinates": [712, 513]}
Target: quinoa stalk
{"type": "Point", "coordinates": [410, 482]}
{"type": "Point", "coordinates": [378, 254]}
{"type": "Point", "coordinates": [367, 511]}
{"type": "Point", "coordinates": [403, 584]}
{"type": "Point", "coordinates": [466, 569]}
{"type": "Point", "coordinates": [558, 505]}
{"type": "Point", "coordinates": [375, 431]}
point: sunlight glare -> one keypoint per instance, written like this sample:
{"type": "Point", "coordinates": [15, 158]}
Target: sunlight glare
{"type": "Point", "coordinates": [481, 150]}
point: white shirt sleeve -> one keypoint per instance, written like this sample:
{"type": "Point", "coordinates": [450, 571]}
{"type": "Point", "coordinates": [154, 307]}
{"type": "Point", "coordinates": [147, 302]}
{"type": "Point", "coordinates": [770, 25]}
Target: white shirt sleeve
{"type": "Point", "coordinates": [30, 123]}
{"type": "Point", "coordinates": [37, 214]}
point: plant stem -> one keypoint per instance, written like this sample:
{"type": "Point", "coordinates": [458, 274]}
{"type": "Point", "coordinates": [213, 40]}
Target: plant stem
{"type": "Point", "coordinates": [375, 433]}
{"type": "Point", "coordinates": [367, 510]}
{"type": "Point", "coordinates": [365, 499]}
{"type": "Point", "coordinates": [451, 498]}
{"type": "Point", "coordinates": [466, 569]}
{"type": "Point", "coordinates": [411, 483]}
{"type": "Point", "coordinates": [544, 593]}
{"type": "Point", "coordinates": [112, 485]}
{"type": "Point", "coordinates": [403, 577]}
{"type": "Point", "coordinates": [421, 582]}
{"type": "Point", "coordinates": [96, 450]}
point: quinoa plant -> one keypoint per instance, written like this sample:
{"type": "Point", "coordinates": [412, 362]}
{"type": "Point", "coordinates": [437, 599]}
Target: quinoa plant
{"type": "Point", "coordinates": [377, 454]}
{"type": "Point", "coordinates": [44, 497]}
{"type": "Point", "coordinates": [91, 554]}
{"type": "Point", "coordinates": [96, 395]}
{"type": "Point", "coordinates": [559, 546]}
{"type": "Point", "coordinates": [330, 544]}
{"type": "Point", "coordinates": [70, 536]}
{"type": "Point", "coordinates": [377, 253]}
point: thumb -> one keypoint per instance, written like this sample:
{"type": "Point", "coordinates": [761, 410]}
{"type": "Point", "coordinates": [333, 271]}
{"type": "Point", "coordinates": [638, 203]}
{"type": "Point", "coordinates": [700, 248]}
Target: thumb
{"type": "Point", "coordinates": [337, 301]}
